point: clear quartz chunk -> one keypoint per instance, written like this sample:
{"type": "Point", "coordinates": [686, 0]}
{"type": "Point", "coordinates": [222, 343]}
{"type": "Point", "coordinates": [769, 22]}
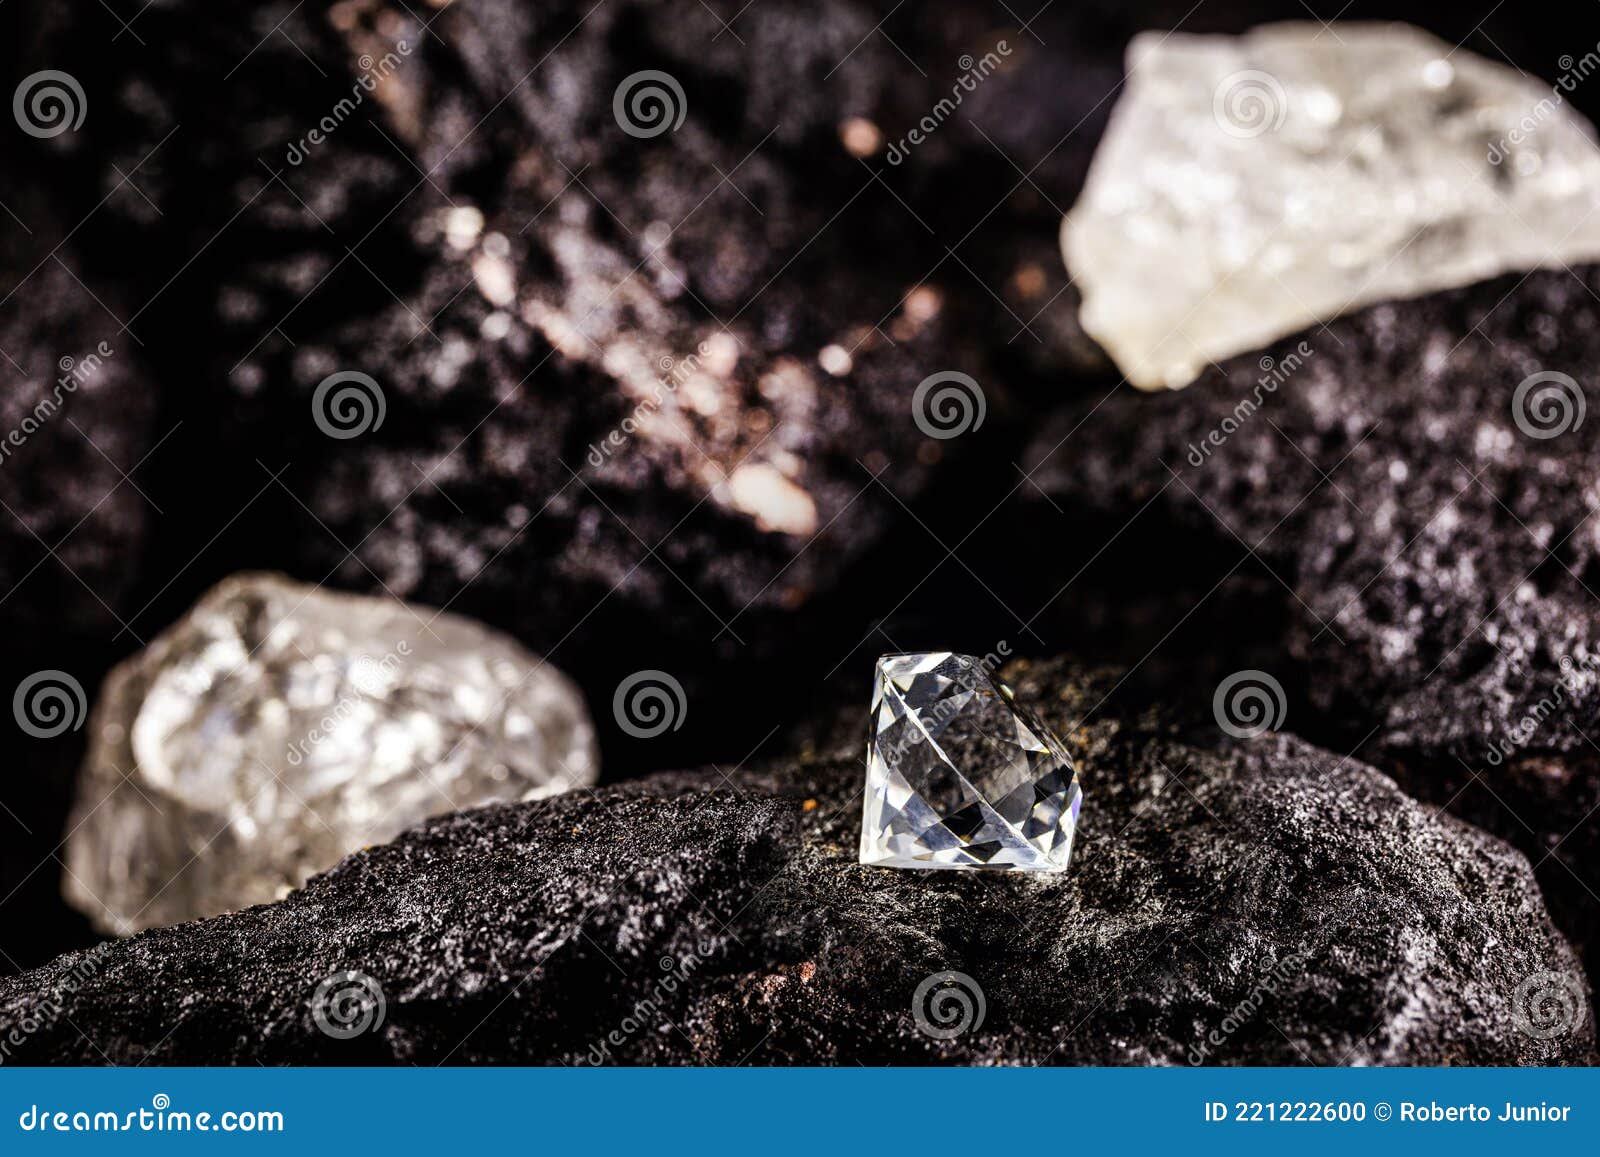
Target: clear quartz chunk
{"type": "Point", "coordinates": [278, 727]}
{"type": "Point", "coordinates": [959, 775]}
{"type": "Point", "coordinates": [1249, 186]}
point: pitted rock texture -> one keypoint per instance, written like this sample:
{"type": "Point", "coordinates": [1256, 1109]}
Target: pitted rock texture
{"type": "Point", "coordinates": [1431, 535]}
{"type": "Point", "coordinates": [1356, 925]}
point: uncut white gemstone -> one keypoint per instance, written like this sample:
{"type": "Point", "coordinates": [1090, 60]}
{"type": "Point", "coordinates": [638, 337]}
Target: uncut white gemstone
{"type": "Point", "coordinates": [278, 727]}
{"type": "Point", "coordinates": [959, 775]}
{"type": "Point", "coordinates": [1249, 186]}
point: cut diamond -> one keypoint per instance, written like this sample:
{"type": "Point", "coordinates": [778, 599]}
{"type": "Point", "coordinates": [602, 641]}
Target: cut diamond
{"type": "Point", "coordinates": [959, 775]}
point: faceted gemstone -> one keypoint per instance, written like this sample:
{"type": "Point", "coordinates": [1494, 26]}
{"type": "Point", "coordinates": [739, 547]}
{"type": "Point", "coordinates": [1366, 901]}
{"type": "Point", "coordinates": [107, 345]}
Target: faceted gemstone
{"type": "Point", "coordinates": [278, 727]}
{"type": "Point", "coordinates": [1250, 186]}
{"type": "Point", "coordinates": [959, 775]}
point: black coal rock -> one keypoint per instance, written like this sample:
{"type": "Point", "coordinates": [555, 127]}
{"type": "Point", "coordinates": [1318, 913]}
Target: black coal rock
{"type": "Point", "coordinates": [1232, 901]}
{"type": "Point", "coordinates": [1427, 538]}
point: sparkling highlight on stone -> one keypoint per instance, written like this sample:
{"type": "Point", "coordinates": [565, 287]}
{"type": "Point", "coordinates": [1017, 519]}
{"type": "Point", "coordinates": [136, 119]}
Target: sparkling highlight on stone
{"type": "Point", "coordinates": [1250, 186]}
{"type": "Point", "coordinates": [277, 727]}
{"type": "Point", "coordinates": [959, 775]}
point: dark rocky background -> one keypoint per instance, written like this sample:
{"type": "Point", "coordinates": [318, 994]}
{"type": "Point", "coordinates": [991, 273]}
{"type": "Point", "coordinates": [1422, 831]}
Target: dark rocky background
{"type": "Point", "coordinates": [230, 282]}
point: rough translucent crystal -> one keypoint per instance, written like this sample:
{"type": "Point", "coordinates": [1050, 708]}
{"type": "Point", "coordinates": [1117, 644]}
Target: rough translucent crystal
{"type": "Point", "coordinates": [277, 727]}
{"type": "Point", "coordinates": [1249, 186]}
{"type": "Point", "coordinates": [959, 775]}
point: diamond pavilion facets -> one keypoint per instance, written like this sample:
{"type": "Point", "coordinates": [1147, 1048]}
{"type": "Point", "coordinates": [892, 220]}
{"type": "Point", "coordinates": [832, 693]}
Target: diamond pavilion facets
{"type": "Point", "coordinates": [961, 776]}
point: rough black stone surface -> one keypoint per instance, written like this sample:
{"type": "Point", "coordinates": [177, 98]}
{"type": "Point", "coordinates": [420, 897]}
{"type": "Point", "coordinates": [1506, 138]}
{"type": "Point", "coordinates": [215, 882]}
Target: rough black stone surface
{"type": "Point", "coordinates": [1437, 566]}
{"type": "Point", "coordinates": [1300, 898]}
